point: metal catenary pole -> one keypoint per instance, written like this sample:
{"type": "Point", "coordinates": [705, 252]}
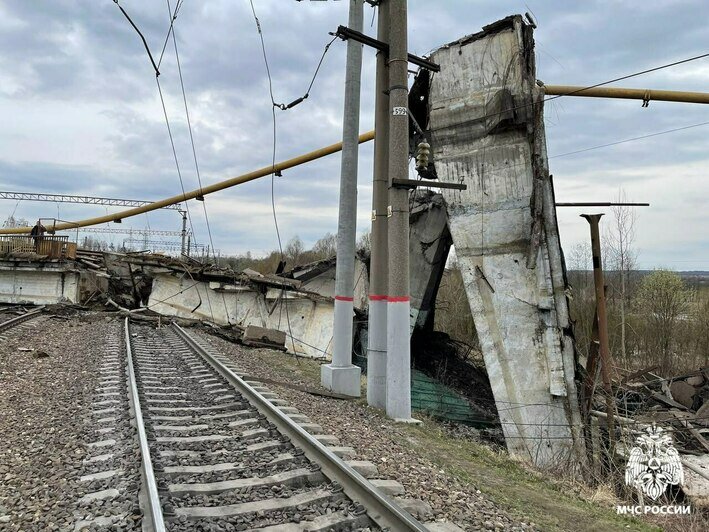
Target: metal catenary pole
{"type": "Point", "coordinates": [379, 267]}
{"type": "Point", "coordinates": [184, 232]}
{"type": "Point", "coordinates": [398, 394]}
{"type": "Point", "coordinates": [341, 375]}
{"type": "Point", "coordinates": [593, 220]}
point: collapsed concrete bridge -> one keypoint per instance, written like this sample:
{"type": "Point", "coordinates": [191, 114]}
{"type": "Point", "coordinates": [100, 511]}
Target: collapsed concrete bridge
{"type": "Point", "coordinates": [483, 116]}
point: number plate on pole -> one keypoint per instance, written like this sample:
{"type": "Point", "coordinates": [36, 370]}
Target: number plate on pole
{"type": "Point", "coordinates": [399, 111]}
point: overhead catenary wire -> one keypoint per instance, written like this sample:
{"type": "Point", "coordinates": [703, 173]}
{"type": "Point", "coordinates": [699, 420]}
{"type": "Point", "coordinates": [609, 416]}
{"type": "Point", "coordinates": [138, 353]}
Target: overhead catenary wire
{"type": "Point", "coordinates": [583, 150]}
{"type": "Point", "coordinates": [174, 153]}
{"type": "Point", "coordinates": [587, 87]}
{"type": "Point", "coordinates": [162, 99]}
{"type": "Point", "coordinates": [621, 78]}
{"type": "Point", "coordinates": [142, 37]}
{"type": "Point", "coordinates": [432, 183]}
{"type": "Point", "coordinates": [283, 107]}
{"type": "Point", "coordinates": [634, 74]}
{"type": "Point", "coordinates": [189, 127]}
{"type": "Point", "coordinates": [171, 30]}
{"type": "Point", "coordinates": [173, 17]}
{"type": "Point", "coordinates": [208, 189]}
{"type": "Point", "coordinates": [284, 301]}
{"type": "Point", "coordinates": [306, 95]}
{"type": "Point", "coordinates": [192, 143]}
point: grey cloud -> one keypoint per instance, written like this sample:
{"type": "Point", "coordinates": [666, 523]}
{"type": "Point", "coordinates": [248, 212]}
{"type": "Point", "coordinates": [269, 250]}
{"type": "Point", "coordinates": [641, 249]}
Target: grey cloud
{"type": "Point", "coordinates": [73, 53]}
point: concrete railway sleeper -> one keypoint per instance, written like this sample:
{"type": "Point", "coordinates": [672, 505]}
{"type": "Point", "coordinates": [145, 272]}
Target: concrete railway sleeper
{"type": "Point", "coordinates": [219, 453]}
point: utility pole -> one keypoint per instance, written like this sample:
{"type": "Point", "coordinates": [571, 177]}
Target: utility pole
{"type": "Point", "coordinates": [398, 393]}
{"type": "Point", "coordinates": [378, 264]}
{"type": "Point", "coordinates": [341, 376]}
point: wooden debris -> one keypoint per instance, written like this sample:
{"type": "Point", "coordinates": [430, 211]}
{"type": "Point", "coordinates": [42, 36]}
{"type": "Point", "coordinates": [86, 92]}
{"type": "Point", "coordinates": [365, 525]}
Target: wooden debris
{"type": "Point", "coordinates": [638, 374]}
{"type": "Point", "coordinates": [684, 420]}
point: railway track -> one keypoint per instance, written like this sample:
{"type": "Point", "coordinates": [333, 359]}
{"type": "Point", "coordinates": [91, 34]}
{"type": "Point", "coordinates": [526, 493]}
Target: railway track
{"type": "Point", "coordinates": [11, 323]}
{"type": "Point", "coordinates": [219, 453]}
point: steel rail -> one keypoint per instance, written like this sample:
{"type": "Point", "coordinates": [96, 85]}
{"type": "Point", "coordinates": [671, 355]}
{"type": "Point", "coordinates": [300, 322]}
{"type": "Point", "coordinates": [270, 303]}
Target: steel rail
{"type": "Point", "coordinates": [9, 324]}
{"type": "Point", "coordinates": [380, 509]}
{"type": "Point", "coordinates": [153, 499]}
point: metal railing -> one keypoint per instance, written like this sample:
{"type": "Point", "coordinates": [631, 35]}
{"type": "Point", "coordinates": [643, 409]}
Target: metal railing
{"type": "Point", "coordinates": [51, 246]}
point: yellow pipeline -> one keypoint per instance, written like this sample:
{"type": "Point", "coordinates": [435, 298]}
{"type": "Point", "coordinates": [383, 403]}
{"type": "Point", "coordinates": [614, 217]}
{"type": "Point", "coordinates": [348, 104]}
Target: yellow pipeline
{"type": "Point", "coordinates": [631, 94]}
{"type": "Point", "coordinates": [256, 174]}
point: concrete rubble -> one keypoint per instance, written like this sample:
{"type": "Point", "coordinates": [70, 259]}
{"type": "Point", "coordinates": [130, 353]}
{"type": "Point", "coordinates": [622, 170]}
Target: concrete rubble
{"type": "Point", "coordinates": [503, 228]}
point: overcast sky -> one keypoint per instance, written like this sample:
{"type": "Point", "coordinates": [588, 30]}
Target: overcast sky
{"type": "Point", "coordinates": [81, 113]}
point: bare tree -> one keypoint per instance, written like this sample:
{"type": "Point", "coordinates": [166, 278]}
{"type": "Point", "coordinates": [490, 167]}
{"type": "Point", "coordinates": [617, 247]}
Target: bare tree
{"type": "Point", "coordinates": [582, 304]}
{"type": "Point", "coordinates": [294, 250]}
{"type": "Point", "coordinates": [365, 242]}
{"type": "Point", "coordinates": [326, 247]}
{"type": "Point", "coordinates": [453, 315]}
{"type": "Point", "coordinates": [578, 257]}
{"type": "Point", "coordinates": [701, 321]}
{"type": "Point", "coordinates": [620, 237]}
{"type": "Point", "coordinates": [11, 221]}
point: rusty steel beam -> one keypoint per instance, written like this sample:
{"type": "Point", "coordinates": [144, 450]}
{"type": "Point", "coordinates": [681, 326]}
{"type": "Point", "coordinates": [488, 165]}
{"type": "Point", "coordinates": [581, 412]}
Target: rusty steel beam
{"type": "Point", "coordinates": [593, 220]}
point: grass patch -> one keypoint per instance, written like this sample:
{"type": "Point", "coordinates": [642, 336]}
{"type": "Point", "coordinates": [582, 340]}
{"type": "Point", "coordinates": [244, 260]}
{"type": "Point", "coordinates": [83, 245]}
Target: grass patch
{"type": "Point", "coordinates": [525, 494]}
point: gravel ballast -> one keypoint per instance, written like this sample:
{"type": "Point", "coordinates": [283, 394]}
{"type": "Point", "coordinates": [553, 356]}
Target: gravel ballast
{"type": "Point", "coordinates": [48, 380]}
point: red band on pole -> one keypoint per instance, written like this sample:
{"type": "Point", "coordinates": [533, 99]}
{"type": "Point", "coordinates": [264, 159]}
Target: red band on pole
{"type": "Point", "coordinates": [398, 299]}
{"type": "Point", "coordinates": [344, 298]}
{"type": "Point", "coordinates": [374, 297]}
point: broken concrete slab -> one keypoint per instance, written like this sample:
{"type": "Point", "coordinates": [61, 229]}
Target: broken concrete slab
{"type": "Point", "coordinates": [429, 244]}
{"type": "Point", "coordinates": [683, 393]}
{"type": "Point", "coordinates": [696, 485]}
{"type": "Point", "coordinates": [304, 315]}
{"type": "Point", "coordinates": [256, 336]}
{"type": "Point", "coordinates": [38, 282]}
